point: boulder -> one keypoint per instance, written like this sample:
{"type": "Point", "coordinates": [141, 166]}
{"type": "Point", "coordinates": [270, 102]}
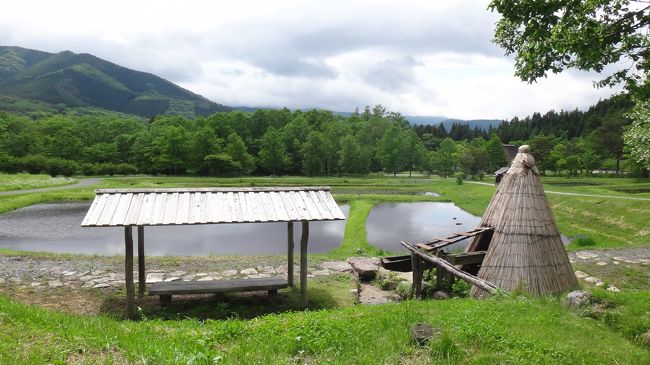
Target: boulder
{"type": "Point", "coordinates": [581, 274]}
{"type": "Point", "coordinates": [249, 271]}
{"type": "Point", "coordinates": [584, 255]}
{"type": "Point", "coordinates": [366, 268]}
{"type": "Point", "coordinates": [338, 266]}
{"type": "Point", "coordinates": [55, 284]}
{"type": "Point", "coordinates": [228, 273]}
{"type": "Point", "coordinates": [441, 295]}
{"type": "Point", "coordinates": [644, 338]}
{"type": "Point", "coordinates": [154, 277]}
{"type": "Point", "coordinates": [578, 299]}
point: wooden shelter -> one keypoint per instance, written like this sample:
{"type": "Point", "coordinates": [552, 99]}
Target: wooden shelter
{"type": "Point", "coordinates": [525, 250]}
{"type": "Point", "coordinates": [139, 208]}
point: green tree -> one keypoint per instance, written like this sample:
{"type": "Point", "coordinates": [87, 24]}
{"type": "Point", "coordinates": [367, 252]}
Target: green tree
{"type": "Point", "coordinates": [445, 159]}
{"type": "Point", "coordinates": [236, 149]}
{"type": "Point", "coordinates": [273, 156]}
{"type": "Point", "coordinates": [415, 154]}
{"type": "Point", "coordinates": [587, 35]}
{"type": "Point", "coordinates": [496, 158]}
{"type": "Point", "coordinates": [314, 152]}
{"type": "Point", "coordinates": [392, 150]}
{"type": "Point", "coordinates": [354, 158]}
{"type": "Point", "coordinates": [540, 147]}
{"type": "Point", "coordinates": [637, 136]}
{"type": "Point", "coordinates": [473, 157]}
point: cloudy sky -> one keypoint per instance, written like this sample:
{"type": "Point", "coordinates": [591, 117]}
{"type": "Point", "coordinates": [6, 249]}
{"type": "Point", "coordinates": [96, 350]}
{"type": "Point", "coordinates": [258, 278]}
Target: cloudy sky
{"type": "Point", "coordinates": [415, 57]}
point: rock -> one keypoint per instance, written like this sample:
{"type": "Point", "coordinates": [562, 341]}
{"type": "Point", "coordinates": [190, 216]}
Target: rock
{"type": "Point", "coordinates": [597, 311]}
{"type": "Point", "coordinates": [601, 263]}
{"type": "Point", "coordinates": [249, 271]}
{"type": "Point", "coordinates": [74, 284]}
{"type": "Point", "coordinates": [421, 333]}
{"type": "Point", "coordinates": [55, 284]}
{"type": "Point", "coordinates": [257, 276]}
{"type": "Point", "coordinates": [87, 277]}
{"type": "Point", "coordinates": [117, 283]}
{"type": "Point", "coordinates": [599, 283]}
{"type": "Point", "coordinates": [189, 277]}
{"type": "Point", "coordinates": [154, 277]}
{"type": "Point", "coordinates": [578, 299]}
{"type": "Point", "coordinates": [103, 280]}
{"type": "Point", "coordinates": [338, 266]}
{"type": "Point", "coordinates": [88, 284]}
{"type": "Point", "coordinates": [229, 273]}
{"type": "Point", "coordinates": [584, 255]}
{"type": "Point", "coordinates": [366, 268]}
{"type": "Point", "coordinates": [321, 272]}
{"type": "Point", "coordinates": [15, 280]}
{"type": "Point", "coordinates": [614, 289]}
{"type": "Point", "coordinates": [98, 272]}
{"type": "Point", "coordinates": [101, 285]}
{"type": "Point", "coordinates": [68, 273]}
{"type": "Point", "coordinates": [373, 295]}
{"type": "Point", "coordinates": [2, 280]}
{"type": "Point", "coordinates": [35, 284]}
{"type": "Point", "coordinates": [266, 270]}
{"type": "Point", "coordinates": [644, 338]}
{"type": "Point", "coordinates": [581, 274]}
{"type": "Point", "coordinates": [172, 278]}
{"type": "Point", "coordinates": [176, 273]}
{"type": "Point", "coordinates": [205, 278]}
{"type": "Point", "coordinates": [441, 295]}
{"type": "Point", "coordinates": [592, 279]}
{"type": "Point", "coordinates": [282, 269]}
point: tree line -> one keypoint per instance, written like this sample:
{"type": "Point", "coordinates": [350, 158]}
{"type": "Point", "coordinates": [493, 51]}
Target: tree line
{"type": "Point", "coordinates": [284, 142]}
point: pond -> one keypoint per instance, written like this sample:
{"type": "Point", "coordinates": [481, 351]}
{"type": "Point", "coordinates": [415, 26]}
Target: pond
{"type": "Point", "coordinates": [56, 228]}
{"type": "Point", "coordinates": [390, 223]}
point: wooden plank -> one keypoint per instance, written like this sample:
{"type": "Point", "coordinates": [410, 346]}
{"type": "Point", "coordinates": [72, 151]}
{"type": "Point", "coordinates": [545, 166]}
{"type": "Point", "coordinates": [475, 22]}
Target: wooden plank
{"type": "Point", "coordinates": [194, 215]}
{"type": "Point", "coordinates": [183, 208]}
{"type": "Point", "coordinates": [128, 272]}
{"type": "Point", "coordinates": [214, 207]}
{"type": "Point", "coordinates": [146, 211]}
{"type": "Point", "coordinates": [323, 210]}
{"type": "Point", "coordinates": [121, 210]}
{"type": "Point", "coordinates": [303, 262]}
{"type": "Point", "coordinates": [203, 210]}
{"type": "Point", "coordinates": [290, 248]}
{"type": "Point", "coordinates": [159, 209]}
{"type": "Point", "coordinates": [253, 200]}
{"type": "Point", "coordinates": [280, 208]}
{"type": "Point", "coordinates": [205, 190]}
{"type": "Point", "coordinates": [444, 265]}
{"type": "Point", "coordinates": [170, 208]}
{"type": "Point", "coordinates": [424, 246]}
{"type": "Point", "coordinates": [109, 209]}
{"type": "Point", "coordinates": [466, 258]}
{"type": "Point", "coordinates": [292, 212]}
{"type": "Point", "coordinates": [142, 285]}
{"type": "Point", "coordinates": [217, 286]}
{"type": "Point", "coordinates": [247, 212]}
{"type": "Point", "coordinates": [300, 205]}
{"type": "Point", "coordinates": [134, 210]}
{"type": "Point", "coordinates": [268, 206]}
{"type": "Point", "coordinates": [310, 204]}
{"type": "Point", "coordinates": [95, 210]}
{"type": "Point", "coordinates": [331, 204]}
{"type": "Point", "coordinates": [232, 209]}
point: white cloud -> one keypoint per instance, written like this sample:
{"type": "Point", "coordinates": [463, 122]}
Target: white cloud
{"type": "Point", "coordinates": [416, 57]}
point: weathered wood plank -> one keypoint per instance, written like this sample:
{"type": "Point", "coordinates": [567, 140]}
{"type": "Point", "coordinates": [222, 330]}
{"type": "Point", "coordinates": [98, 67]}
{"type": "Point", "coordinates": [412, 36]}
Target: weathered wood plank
{"type": "Point", "coordinates": [300, 205]}
{"type": "Point", "coordinates": [217, 286]}
{"type": "Point", "coordinates": [465, 258]}
{"type": "Point", "coordinates": [134, 210]}
{"type": "Point", "coordinates": [292, 212]}
{"type": "Point", "coordinates": [203, 210]}
{"type": "Point", "coordinates": [321, 206]}
{"type": "Point", "coordinates": [280, 208]}
{"type": "Point", "coordinates": [145, 216]}
{"type": "Point", "coordinates": [183, 208]}
{"type": "Point", "coordinates": [304, 239]}
{"type": "Point", "coordinates": [205, 190]}
{"type": "Point", "coordinates": [109, 209]}
{"type": "Point", "coordinates": [128, 272]}
{"type": "Point", "coordinates": [121, 210]}
{"type": "Point", "coordinates": [159, 209]}
{"type": "Point", "coordinates": [141, 263]}
{"type": "Point", "coordinates": [310, 204]}
{"type": "Point", "coordinates": [95, 210]}
{"type": "Point", "coordinates": [170, 208]}
{"type": "Point", "coordinates": [290, 248]}
{"type": "Point", "coordinates": [331, 204]}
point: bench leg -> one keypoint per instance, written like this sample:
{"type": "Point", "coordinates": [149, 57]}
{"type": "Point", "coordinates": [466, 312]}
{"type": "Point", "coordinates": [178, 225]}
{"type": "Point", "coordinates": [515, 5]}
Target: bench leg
{"type": "Point", "coordinates": [165, 299]}
{"type": "Point", "coordinates": [273, 292]}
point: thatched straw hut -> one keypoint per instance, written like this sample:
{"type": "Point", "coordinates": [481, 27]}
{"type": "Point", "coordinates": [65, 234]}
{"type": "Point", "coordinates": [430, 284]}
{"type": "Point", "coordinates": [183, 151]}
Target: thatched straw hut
{"type": "Point", "coordinates": [525, 250]}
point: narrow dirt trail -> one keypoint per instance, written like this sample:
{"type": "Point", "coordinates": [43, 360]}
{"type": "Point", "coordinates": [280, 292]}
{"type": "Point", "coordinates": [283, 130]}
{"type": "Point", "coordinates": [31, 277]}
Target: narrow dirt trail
{"type": "Point", "coordinates": [575, 194]}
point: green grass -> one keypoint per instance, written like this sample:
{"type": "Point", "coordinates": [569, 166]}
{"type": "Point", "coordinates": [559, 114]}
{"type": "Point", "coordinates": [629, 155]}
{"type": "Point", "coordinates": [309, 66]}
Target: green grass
{"type": "Point", "coordinates": [28, 181]}
{"type": "Point", "coordinates": [502, 331]}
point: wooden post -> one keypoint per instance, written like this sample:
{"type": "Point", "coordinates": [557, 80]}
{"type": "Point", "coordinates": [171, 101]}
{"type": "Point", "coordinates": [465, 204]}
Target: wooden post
{"type": "Point", "coordinates": [416, 264]}
{"type": "Point", "coordinates": [303, 262]}
{"type": "Point", "coordinates": [128, 272]}
{"type": "Point", "coordinates": [141, 267]}
{"type": "Point", "coordinates": [290, 246]}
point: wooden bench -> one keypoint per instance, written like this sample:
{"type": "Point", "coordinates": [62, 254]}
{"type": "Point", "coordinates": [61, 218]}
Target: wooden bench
{"type": "Point", "coordinates": [166, 290]}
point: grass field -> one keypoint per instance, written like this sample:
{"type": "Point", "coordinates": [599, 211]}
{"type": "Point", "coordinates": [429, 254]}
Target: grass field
{"type": "Point", "coordinates": [28, 181]}
{"type": "Point", "coordinates": [513, 330]}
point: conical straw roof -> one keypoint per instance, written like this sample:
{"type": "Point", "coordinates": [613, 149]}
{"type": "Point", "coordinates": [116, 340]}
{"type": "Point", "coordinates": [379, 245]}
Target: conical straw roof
{"type": "Point", "coordinates": [526, 251]}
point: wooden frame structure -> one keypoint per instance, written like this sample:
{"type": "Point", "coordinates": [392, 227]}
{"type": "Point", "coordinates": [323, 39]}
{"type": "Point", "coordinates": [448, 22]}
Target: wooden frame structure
{"type": "Point", "coordinates": [130, 208]}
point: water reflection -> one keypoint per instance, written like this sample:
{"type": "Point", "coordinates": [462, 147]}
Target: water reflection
{"type": "Point", "coordinates": [388, 224]}
{"type": "Point", "coordinates": [56, 228]}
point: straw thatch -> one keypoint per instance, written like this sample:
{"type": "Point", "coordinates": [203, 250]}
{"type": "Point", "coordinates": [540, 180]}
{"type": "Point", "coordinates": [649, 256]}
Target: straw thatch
{"type": "Point", "coordinates": [526, 251]}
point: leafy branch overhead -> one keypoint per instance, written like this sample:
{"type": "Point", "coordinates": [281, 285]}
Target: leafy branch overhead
{"type": "Point", "coordinates": [588, 35]}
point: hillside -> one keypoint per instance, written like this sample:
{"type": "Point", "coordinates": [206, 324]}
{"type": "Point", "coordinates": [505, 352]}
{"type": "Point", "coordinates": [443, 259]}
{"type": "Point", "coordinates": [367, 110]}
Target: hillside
{"type": "Point", "coordinates": [83, 80]}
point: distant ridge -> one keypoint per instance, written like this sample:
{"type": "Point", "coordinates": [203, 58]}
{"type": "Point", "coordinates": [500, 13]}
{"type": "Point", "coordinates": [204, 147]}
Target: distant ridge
{"type": "Point", "coordinates": [83, 80]}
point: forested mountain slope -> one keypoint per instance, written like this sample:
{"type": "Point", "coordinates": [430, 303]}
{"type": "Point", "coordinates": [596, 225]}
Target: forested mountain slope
{"type": "Point", "coordinates": [80, 80]}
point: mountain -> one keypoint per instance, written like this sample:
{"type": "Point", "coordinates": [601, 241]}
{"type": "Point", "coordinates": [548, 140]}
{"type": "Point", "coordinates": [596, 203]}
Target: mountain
{"type": "Point", "coordinates": [83, 80]}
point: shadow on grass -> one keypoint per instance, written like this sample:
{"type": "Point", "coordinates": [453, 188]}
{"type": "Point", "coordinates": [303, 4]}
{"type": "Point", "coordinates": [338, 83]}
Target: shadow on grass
{"type": "Point", "coordinates": [322, 295]}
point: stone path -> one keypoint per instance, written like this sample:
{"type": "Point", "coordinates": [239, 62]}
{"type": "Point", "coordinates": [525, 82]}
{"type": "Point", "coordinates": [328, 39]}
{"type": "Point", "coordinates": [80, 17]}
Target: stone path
{"type": "Point", "coordinates": [637, 256]}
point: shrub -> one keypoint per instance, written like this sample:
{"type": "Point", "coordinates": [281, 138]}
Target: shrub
{"type": "Point", "coordinates": [460, 176]}
{"type": "Point", "coordinates": [34, 164]}
{"type": "Point", "coordinates": [584, 241]}
{"type": "Point", "coordinates": [59, 166]}
{"type": "Point", "coordinates": [126, 169]}
{"type": "Point", "coordinates": [9, 164]}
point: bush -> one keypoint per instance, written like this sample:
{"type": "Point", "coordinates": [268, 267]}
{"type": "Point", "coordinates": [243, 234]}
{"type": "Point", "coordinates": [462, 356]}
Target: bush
{"type": "Point", "coordinates": [582, 240]}
{"type": "Point", "coordinates": [34, 164]}
{"type": "Point", "coordinates": [88, 169]}
{"type": "Point", "coordinates": [460, 176]}
{"type": "Point", "coordinates": [126, 169]}
{"type": "Point", "coordinates": [59, 166]}
{"type": "Point", "coordinates": [9, 164]}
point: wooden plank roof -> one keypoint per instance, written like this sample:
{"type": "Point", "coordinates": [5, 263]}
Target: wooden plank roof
{"type": "Point", "coordinates": [155, 207]}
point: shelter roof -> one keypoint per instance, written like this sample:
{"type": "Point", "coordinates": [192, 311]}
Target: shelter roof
{"type": "Point", "coordinates": [156, 207]}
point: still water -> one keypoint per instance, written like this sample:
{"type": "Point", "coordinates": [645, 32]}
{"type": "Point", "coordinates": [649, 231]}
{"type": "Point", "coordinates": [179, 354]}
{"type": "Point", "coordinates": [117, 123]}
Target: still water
{"type": "Point", "coordinates": [56, 228]}
{"type": "Point", "coordinates": [390, 223]}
